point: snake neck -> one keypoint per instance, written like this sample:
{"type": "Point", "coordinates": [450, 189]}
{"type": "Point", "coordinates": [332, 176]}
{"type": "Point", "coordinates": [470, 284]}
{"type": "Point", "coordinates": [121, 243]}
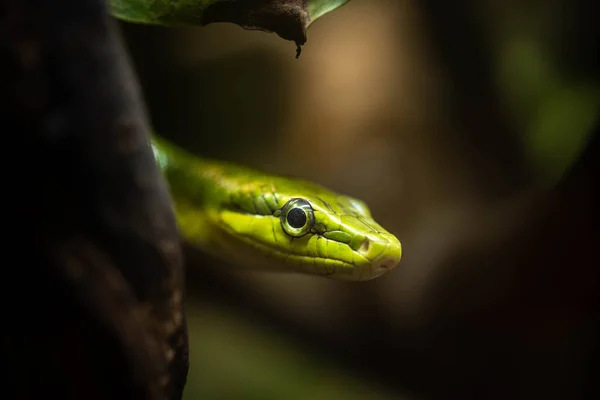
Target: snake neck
{"type": "Point", "coordinates": [200, 188]}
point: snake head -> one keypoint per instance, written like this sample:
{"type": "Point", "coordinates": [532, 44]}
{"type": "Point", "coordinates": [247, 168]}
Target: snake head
{"type": "Point", "coordinates": [300, 226]}
{"type": "Point", "coordinates": [257, 220]}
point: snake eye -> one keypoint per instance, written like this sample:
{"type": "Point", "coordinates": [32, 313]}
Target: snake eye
{"type": "Point", "coordinates": [297, 217]}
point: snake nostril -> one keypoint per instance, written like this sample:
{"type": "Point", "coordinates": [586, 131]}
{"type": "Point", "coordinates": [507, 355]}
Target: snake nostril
{"type": "Point", "coordinates": [364, 246]}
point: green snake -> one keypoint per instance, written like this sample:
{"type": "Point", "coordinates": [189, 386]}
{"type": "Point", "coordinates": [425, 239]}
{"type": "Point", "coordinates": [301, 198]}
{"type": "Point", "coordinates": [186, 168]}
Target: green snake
{"type": "Point", "coordinates": [253, 219]}
{"type": "Point", "coordinates": [261, 221]}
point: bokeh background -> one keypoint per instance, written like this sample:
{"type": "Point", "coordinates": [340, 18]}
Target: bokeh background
{"type": "Point", "coordinates": [455, 123]}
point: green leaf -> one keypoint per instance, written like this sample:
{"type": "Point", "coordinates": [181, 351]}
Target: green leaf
{"type": "Point", "coordinates": [288, 18]}
{"type": "Point", "coordinates": [318, 8]}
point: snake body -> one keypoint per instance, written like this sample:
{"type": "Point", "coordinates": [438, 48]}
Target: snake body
{"type": "Point", "coordinates": [262, 221]}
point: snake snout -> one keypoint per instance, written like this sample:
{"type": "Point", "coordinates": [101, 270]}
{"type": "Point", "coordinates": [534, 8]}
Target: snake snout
{"type": "Point", "coordinates": [384, 253]}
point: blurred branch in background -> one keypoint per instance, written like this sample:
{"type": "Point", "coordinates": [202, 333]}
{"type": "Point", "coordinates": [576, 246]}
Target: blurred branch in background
{"type": "Point", "coordinates": [474, 115]}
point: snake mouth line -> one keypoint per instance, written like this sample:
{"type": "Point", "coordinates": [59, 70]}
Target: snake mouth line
{"type": "Point", "coordinates": [330, 266]}
{"type": "Point", "coordinates": [253, 242]}
{"type": "Point", "coordinates": [283, 254]}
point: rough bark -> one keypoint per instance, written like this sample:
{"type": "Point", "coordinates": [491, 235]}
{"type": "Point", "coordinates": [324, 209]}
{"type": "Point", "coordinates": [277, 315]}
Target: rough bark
{"type": "Point", "coordinates": [97, 262]}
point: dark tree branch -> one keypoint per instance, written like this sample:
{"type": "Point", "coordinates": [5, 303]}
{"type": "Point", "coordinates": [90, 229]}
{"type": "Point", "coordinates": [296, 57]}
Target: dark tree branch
{"type": "Point", "coordinates": [100, 257]}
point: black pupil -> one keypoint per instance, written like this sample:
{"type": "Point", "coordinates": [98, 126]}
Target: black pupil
{"type": "Point", "coordinates": [296, 218]}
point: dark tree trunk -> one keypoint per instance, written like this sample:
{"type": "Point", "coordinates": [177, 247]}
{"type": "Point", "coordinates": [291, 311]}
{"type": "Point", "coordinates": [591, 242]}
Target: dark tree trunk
{"type": "Point", "coordinates": [92, 279]}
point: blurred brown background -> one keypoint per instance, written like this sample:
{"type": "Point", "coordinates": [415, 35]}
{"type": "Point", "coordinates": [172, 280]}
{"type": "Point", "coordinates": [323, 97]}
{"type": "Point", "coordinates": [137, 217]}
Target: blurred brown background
{"type": "Point", "coordinates": [455, 123]}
